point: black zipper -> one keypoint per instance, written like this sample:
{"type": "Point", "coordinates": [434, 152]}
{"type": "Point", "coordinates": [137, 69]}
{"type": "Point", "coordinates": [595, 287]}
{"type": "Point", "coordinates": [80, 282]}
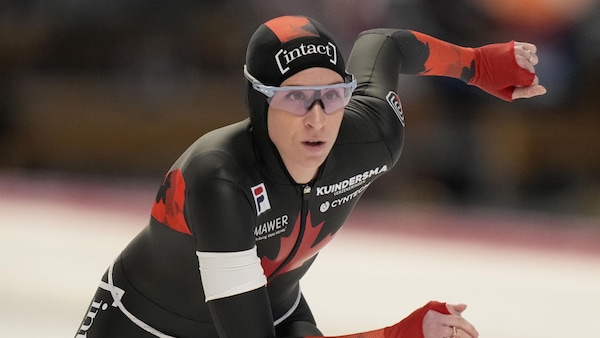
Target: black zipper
{"type": "Point", "coordinates": [305, 189]}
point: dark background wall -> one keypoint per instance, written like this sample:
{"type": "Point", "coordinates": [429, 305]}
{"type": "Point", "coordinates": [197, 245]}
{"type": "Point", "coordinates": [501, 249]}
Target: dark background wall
{"type": "Point", "coordinates": [119, 88]}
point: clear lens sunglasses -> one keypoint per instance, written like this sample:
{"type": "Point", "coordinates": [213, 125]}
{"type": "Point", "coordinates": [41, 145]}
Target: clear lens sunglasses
{"type": "Point", "coordinates": [298, 100]}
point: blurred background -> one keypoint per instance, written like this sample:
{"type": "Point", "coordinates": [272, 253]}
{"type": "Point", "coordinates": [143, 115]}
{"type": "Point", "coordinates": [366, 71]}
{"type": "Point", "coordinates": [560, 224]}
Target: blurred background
{"type": "Point", "coordinates": [99, 97]}
{"type": "Point", "coordinates": [119, 88]}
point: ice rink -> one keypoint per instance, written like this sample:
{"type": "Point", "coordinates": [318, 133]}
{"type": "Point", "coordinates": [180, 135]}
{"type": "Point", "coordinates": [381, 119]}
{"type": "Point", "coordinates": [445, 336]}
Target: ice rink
{"type": "Point", "coordinates": [521, 274]}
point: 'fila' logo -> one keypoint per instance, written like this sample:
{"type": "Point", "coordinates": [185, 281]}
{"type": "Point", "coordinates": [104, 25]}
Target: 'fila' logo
{"type": "Point", "coordinates": [260, 198]}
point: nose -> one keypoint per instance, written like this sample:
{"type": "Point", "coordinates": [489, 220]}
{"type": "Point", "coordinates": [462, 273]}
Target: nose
{"type": "Point", "coordinates": [315, 117]}
{"type": "Point", "coordinates": [315, 101]}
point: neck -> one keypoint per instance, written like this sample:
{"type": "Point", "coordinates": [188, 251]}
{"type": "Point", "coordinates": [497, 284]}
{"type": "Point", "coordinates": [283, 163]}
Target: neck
{"type": "Point", "coordinates": [303, 176]}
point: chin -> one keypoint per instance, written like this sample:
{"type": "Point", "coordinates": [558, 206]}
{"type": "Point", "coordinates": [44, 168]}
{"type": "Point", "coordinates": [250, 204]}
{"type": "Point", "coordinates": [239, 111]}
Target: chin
{"type": "Point", "coordinates": [315, 162]}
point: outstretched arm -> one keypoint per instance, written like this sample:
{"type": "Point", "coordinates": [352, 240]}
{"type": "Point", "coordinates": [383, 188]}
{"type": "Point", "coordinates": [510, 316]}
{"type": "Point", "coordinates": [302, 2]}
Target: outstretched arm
{"type": "Point", "coordinates": [505, 70]}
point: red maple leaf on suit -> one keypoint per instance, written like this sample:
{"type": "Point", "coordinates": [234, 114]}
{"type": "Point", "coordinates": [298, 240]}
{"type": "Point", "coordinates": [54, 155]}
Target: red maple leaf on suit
{"type": "Point", "coordinates": [307, 249]}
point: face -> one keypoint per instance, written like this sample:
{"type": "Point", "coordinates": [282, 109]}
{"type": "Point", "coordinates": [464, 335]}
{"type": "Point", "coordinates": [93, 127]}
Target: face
{"type": "Point", "coordinates": [305, 141]}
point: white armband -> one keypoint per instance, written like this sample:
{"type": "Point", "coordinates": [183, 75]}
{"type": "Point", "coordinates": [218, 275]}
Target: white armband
{"type": "Point", "coordinates": [227, 274]}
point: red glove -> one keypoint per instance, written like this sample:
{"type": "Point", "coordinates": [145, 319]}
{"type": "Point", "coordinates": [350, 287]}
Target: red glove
{"type": "Point", "coordinates": [497, 71]}
{"type": "Point", "coordinates": [409, 327]}
{"type": "Point", "coordinates": [412, 326]}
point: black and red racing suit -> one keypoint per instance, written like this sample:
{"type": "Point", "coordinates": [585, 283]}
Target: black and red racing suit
{"type": "Point", "coordinates": [229, 192]}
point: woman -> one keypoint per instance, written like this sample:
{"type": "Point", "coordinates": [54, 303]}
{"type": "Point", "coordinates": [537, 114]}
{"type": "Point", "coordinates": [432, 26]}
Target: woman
{"type": "Point", "coordinates": [243, 213]}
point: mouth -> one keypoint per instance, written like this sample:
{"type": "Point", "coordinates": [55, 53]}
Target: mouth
{"type": "Point", "coordinates": [314, 144]}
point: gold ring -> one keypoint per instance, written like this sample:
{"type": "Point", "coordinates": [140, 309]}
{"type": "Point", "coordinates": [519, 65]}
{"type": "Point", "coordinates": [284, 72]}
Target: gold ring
{"type": "Point", "coordinates": [454, 333]}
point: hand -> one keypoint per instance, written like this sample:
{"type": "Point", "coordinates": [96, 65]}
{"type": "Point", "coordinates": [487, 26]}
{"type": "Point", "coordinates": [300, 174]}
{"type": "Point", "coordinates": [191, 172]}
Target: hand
{"type": "Point", "coordinates": [526, 57]}
{"type": "Point", "coordinates": [439, 325]}
{"type": "Point", "coordinates": [434, 320]}
{"type": "Point", "coordinates": [506, 70]}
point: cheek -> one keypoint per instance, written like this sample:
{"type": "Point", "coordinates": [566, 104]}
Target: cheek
{"type": "Point", "coordinates": [335, 121]}
{"type": "Point", "coordinates": [277, 126]}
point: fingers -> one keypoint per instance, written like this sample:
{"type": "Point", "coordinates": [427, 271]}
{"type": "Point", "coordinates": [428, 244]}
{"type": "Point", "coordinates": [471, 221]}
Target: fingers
{"type": "Point", "coordinates": [456, 309]}
{"type": "Point", "coordinates": [527, 50]}
{"type": "Point", "coordinates": [454, 332]}
{"type": "Point", "coordinates": [530, 91]}
{"type": "Point", "coordinates": [459, 322]}
{"type": "Point", "coordinates": [526, 57]}
{"type": "Point", "coordinates": [526, 45]}
{"type": "Point", "coordinates": [464, 328]}
{"type": "Point", "coordinates": [437, 325]}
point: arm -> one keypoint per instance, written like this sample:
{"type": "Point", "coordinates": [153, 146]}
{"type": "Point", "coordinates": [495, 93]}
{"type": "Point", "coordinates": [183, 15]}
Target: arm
{"type": "Point", "coordinates": [505, 70]}
{"type": "Point", "coordinates": [238, 302]}
{"type": "Point", "coordinates": [218, 214]}
{"type": "Point", "coordinates": [376, 60]}
{"type": "Point", "coordinates": [432, 320]}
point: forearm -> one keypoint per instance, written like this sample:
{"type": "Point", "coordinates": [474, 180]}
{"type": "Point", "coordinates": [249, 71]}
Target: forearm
{"type": "Point", "coordinates": [493, 68]}
{"type": "Point", "coordinates": [409, 327]}
{"type": "Point", "coordinates": [243, 315]}
{"type": "Point", "coordinates": [447, 59]}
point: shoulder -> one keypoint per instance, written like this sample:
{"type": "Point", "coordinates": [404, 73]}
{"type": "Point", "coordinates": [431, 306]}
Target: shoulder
{"type": "Point", "coordinates": [224, 153]}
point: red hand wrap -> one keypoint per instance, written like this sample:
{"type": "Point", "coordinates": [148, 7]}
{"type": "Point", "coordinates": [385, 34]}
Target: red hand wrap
{"type": "Point", "coordinates": [409, 327]}
{"type": "Point", "coordinates": [412, 326]}
{"type": "Point", "coordinates": [497, 71]}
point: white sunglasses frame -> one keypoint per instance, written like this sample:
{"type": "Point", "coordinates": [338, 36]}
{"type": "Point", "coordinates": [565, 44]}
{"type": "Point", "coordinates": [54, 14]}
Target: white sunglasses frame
{"type": "Point", "coordinates": [269, 91]}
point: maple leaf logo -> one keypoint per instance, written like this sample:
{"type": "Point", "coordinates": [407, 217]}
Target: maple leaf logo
{"type": "Point", "coordinates": [306, 250]}
{"type": "Point", "coordinates": [168, 205]}
{"type": "Point", "coordinates": [290, 27]}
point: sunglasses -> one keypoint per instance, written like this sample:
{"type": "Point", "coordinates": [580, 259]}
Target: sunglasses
{"type": "Point", "coordinates": [298, 100]}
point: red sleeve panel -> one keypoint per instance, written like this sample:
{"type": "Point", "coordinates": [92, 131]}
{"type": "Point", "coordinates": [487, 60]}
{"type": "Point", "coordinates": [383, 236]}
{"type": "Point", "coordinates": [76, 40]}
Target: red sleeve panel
{"type": "Point", "coordinates": [168, 205]}
{"type": "Point", "coordinates": [446, 59]}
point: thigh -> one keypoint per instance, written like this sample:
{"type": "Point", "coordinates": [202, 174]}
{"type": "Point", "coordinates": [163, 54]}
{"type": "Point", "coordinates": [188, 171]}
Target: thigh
{"type": "Point", "coordinates": [135, 314]}
{"type": "Point", "coordinates": [105, 320]}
